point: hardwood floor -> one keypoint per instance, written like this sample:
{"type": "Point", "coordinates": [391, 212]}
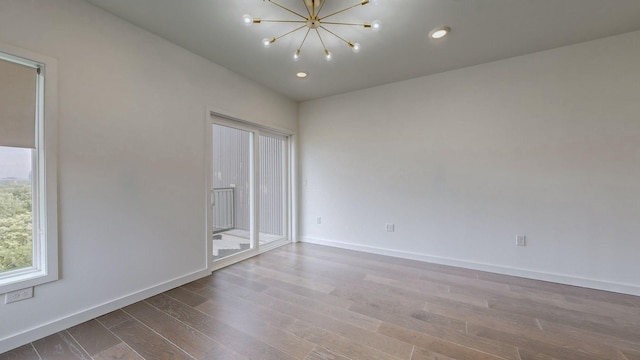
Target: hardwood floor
{"type": "Point", "coordinates": [318, 303]}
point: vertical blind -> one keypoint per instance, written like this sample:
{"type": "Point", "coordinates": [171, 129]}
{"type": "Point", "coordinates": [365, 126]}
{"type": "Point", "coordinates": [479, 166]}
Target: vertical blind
{"type": "Point", "coordinates": [18, 92]}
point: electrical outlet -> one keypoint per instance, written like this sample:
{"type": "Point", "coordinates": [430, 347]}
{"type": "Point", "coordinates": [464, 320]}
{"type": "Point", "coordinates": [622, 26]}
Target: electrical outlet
{"type": "Point", "coordinates": [318, 220]}
{"type": "Point", "coordinates": [18, 295]}
{"type": "Point", "coordinates": [521, 240]}
{"type": "Point", "coordinates": [390, 227]}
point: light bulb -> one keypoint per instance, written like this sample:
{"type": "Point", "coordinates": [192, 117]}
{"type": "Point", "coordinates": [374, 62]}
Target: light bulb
{"type": "Point", "coordinates": [355, 47]}
{"type": "Point", "coordinates": [328, 55]}
{"type": "Point", "coordinates": [247, 20]}
{"type": "Point", "coordinates": [375, 25]}
{"type": "Point", "coordinates": [267, 42]}
{"type": "Point", "coordinates": [296, 55]}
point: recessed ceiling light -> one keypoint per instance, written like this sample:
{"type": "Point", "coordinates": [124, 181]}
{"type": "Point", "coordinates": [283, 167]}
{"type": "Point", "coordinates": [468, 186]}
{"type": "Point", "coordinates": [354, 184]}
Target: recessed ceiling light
{"type": "Point", "coordinates": [440, 32]}
{"type": "Point", "coordinates": [302, 74]}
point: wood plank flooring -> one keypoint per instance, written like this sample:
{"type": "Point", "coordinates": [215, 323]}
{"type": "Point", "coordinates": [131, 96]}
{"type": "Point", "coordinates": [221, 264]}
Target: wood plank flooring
{"type": "Point", "coordinates": [312, 302]}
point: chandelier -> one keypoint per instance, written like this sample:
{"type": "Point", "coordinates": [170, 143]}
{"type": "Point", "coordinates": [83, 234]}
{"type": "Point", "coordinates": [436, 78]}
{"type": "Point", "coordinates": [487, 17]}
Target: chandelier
{"type": "Point", "coordinates": [313, 21]}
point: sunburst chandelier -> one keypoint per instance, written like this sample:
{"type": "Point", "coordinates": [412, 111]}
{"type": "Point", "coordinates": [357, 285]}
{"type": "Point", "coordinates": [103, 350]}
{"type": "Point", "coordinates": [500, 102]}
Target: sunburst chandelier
{"type": "Point", "coordinates": [313, 21]}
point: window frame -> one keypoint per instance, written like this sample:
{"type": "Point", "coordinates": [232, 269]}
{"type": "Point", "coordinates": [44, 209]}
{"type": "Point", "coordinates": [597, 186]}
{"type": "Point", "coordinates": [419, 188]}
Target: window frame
{"type": "Point", "coordinates": [45, 265]}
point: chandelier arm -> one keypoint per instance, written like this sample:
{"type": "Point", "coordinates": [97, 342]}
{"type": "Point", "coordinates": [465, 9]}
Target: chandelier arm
{"type": "Point", "coordinates": [343, 23]}
{"type": "Point", "coordinates": [290, 32]}
{"type": "Point", "coordinates": [343, 10]}
{"type": "Point", "coordinates": [305, 38]}
{"type": "Point", "coordinates": [321, 6]}
{"type": "Point", "coordinates": [287, 9]}
{"type": "Point", "coordinates": [320, 37]}
{"type": "Point", "coordinates": [284, 21]}
{"type": "Point", "coordinates": [336, 35]}
{"type": "Point", "coordinates": [306, 7]}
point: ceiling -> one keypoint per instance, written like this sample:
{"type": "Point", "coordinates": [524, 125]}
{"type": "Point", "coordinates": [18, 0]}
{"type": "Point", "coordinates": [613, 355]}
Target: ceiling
{"type": "Point", "coordinates": [482, 31]}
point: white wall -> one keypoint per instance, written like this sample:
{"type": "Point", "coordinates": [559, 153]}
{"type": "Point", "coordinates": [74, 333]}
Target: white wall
{"type": "Point", "coordinates": [546, 145]}
{"type": "Point", "coordinates": [131, 158]}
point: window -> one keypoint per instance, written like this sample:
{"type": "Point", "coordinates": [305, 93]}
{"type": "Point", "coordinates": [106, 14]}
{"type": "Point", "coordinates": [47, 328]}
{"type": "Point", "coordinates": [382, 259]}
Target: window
{"type": "Point", "coordinates": [28, 216]}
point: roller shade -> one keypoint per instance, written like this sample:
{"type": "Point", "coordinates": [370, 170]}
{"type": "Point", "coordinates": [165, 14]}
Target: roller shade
{"type": "Point", "coordinates": [17, 105]}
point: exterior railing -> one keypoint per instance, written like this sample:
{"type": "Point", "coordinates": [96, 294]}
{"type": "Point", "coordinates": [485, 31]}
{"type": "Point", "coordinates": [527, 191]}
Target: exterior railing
{"type": "Point", "coordinates": [223, 209]}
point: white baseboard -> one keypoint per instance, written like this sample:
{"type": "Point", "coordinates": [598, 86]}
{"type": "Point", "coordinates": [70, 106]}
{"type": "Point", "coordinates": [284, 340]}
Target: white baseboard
{"type": "Point", "coordinates": [60, 324]}
{"type": "Point", "coordinates": [529, 274]}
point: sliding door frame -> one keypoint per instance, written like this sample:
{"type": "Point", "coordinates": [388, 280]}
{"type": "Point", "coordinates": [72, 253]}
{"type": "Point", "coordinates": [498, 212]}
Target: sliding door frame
{"type": "Point", "coordinates": [214, 117]}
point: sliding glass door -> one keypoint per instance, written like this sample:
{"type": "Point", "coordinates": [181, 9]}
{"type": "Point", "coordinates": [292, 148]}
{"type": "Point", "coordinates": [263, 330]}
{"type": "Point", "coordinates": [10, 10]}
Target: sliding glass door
{"type": "Point", "coordinates": [249, 191]}
{"type": "Point", "coordinates": [273, 188]}
{"type": "Point", "coordinates": [232, 191]}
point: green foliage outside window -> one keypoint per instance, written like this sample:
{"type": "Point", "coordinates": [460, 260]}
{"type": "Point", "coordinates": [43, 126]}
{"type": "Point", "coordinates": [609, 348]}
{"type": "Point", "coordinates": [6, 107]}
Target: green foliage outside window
{"type": "Point", "coordinates": [16, 243]}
